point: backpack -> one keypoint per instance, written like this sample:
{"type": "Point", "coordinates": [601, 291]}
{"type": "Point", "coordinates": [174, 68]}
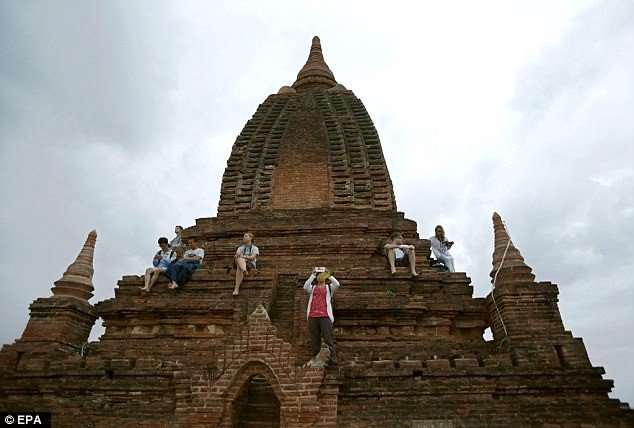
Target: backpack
{"type": "Point", "coordinates": [163, 262]}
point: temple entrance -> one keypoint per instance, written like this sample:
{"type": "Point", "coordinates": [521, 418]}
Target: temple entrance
{"type": "Point", "coordinates": [256, 405]}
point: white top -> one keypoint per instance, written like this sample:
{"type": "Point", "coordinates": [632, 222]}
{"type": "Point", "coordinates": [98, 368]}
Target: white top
{"type": "Point", "coordinates": [197, 252]}
{"type": "Point", "coordinates": [248, 251]}
{"type": "Point", "coordinates": [308, 287]}
{"type": "Point", "coordinates": [167, 257]}
{"type": "Point", "coordinates": [398, 253]}
{"type": "Point", "coordinates": [439, 248]}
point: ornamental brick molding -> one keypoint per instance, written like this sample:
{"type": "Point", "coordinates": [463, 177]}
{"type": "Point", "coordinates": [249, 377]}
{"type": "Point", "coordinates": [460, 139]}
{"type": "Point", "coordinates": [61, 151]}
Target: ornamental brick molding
{"type": "Point", "coordinates": [308, 178]}
{"type": "Point", "coordinates": [256, 350]}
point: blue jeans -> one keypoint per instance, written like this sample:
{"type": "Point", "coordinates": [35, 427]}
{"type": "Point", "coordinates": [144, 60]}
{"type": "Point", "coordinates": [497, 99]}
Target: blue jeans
{"type": "Point", "coordinates": [181, 271]}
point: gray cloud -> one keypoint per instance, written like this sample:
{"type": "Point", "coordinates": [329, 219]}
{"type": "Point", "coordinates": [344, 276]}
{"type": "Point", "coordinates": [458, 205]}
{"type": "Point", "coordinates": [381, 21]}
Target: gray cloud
{"type": "Point", "coordinates": [120, 116]}
{"type": "Point", "coordinates": [85, 71]}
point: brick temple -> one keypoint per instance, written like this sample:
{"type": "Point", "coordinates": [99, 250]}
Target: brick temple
{"type": "Point", "coordinates": [308, 177]}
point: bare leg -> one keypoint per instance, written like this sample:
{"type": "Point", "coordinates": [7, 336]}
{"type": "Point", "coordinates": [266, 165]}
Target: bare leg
{"type": "Point", "coordinates": [172, 273]}
{"type": "Point", "coordinates": [391, 257]}
{"type": "Point", "coordinates": [146, 279]}
{"type": "Point", "coordinates": [240, 271]}
{"type": "Point", "coordinates": [154, 279]}
{"type": "Point", "coordinates": [411, 255]}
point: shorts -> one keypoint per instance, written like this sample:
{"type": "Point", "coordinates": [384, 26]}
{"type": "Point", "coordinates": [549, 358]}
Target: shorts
{"type": "Point", "coordinates": [159, 268]}
{"type": "Point", "coordinates": [402, 262]}
{"type": "Point", "coordinates": [249, 264]}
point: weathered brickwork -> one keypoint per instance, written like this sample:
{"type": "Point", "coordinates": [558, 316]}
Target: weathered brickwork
{"type": "Point", "coordinates": [307, 176]}
{"type": "Point", "coordinates": [311, 147]}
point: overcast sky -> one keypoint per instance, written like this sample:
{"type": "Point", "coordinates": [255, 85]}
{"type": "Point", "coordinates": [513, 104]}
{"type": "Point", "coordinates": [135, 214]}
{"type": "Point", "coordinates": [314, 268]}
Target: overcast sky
{"type": "Point", "coordinates": [120, 116]}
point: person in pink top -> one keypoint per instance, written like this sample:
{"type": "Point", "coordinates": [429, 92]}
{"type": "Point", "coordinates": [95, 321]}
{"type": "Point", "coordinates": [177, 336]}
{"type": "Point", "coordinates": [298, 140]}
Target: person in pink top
{"type": "Point", "coordinates": [319, 312]}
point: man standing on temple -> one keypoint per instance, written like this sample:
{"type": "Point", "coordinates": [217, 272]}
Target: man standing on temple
{"type": "Point", "coordinates": [177, 242]}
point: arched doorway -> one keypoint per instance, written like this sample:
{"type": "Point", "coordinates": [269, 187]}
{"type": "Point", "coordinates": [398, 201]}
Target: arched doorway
{"type": "Point", "coordinates": [256, 405]}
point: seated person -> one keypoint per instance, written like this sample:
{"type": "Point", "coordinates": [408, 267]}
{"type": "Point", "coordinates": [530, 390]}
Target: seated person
{"type": "Point", "coordinates": [180, 271]}
{"type": "Point", "coordinates": [245, 259]}
{"type": "Point", "coordinates": [399, 254]}
{"type": "Point", "coordinates": [177, 242]}
{"type": "Point", "coordinates": [161, 261]}
{"type": "Point", "coordinates": [440, 247]}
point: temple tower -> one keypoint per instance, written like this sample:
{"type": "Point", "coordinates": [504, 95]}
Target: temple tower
{"type": "Point", "coordinates": [308, 177]}
{"type": "Point", "coordinates": [312, 145]}
{"type": "Point", "coordinates": [59, 324]}
{"type": "Point", "coordinates": [525, 317]}
{"type": "Point", "coordinates": [309, 163]}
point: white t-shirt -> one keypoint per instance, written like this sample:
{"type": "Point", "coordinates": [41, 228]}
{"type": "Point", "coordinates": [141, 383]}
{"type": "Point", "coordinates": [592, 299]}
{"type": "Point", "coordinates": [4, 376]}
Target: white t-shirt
{"type": "Point", "coordinates": [248, 251]}
{"type": "Point", "coordinates": [167, 256]}
{"type": "Point", "coordinates": [398, 253]}
{"type": "Point", "coordinates": [197, 252]}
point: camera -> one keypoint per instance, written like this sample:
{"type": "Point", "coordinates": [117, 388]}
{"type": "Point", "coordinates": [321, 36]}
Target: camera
{"type": "Point", "coordinates": [320, 269]}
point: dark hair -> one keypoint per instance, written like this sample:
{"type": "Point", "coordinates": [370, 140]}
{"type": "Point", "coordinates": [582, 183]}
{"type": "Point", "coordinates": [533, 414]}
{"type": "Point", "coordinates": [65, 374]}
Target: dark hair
{"type": "Point", "coordinates": [163, 240]}
{"type": "Point", "coordinates": [180, 227]}
{"type": "Point", "coordinates": [395, 234]}
{"type": "Point", "coordinates": [439, 226]}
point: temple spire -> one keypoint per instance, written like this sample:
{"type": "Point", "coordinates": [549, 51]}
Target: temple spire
{"type": "Point", "coordinates": [315, 74]}
{"type": "Point", "coordinates": [77, 280]}
{"type": "Point", "coordinates": [514, 269]}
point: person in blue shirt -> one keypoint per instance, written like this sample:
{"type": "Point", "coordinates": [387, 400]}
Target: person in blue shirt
{"type": "Point", "coordinates": [161, 261]}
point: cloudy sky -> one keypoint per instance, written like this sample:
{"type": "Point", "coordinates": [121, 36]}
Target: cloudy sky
{"type": "Point", "coordinates": [120, 116]}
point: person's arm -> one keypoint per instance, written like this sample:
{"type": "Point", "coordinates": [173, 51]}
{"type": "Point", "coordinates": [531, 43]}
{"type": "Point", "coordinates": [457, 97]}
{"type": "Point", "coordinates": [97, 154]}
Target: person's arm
{"type": "Point", "coordinates": [195, 257]}
{"type": "Point", "coordinates": [308, 283]}
{"type": "Point", "coordinates": [157, 259]}
{"type": "Point", "coordinates": [334, 284]}
{"type": "Point", "coordinates": [435, 245]}
{"type": "Point", "coordinates": [172, 256]}
{"type": "Point", "coordinates": [254, 254]}
{"type": "Point", "coordinates": [391, 246]}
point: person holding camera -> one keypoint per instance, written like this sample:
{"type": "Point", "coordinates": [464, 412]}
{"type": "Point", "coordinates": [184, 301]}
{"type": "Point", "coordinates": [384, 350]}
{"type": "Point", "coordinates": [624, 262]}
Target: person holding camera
{"type": "Point", "coordinates": [319, 311]}
{"type": "Point", "coordinates": [161, 261]}
{"type": "Point", "coordinates": [400, 254]}
{"type": "Point", "coordinates": [440, 246]}
{"type": "Point", "coordinates": [180, 271]}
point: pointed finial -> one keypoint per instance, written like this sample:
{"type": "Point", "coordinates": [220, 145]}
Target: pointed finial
{"type": "Point", "coordinates": [315, 74]}
{"type": "Point", "coordinates": [512, 270]}
{"type": "Point", "coordinates": [77, 280]}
